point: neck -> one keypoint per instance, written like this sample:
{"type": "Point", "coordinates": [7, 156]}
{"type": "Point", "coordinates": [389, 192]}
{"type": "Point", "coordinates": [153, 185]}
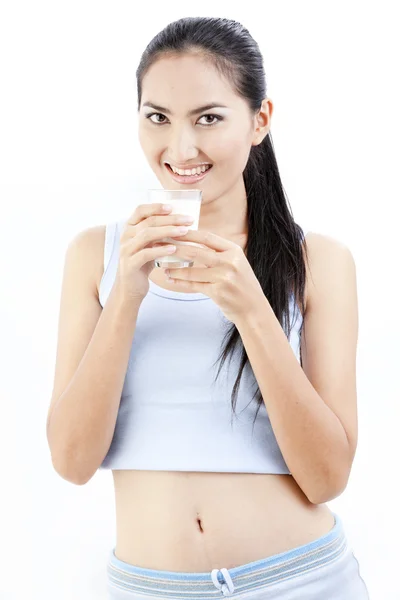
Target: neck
{"type": "Point", "coordinates": [227, 214]}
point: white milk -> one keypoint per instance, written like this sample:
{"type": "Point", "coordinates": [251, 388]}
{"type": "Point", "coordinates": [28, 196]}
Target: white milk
{"type": "Point", "coordinates": [183, 206]}
{"type": "Point", "coordinates": [186, 207]}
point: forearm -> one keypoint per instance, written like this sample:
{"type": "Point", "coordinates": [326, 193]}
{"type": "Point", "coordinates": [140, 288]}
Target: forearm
{"type": "Point", "coordinates": [312, 439]}
{"type": "Point", "coordinates": [82, 423]}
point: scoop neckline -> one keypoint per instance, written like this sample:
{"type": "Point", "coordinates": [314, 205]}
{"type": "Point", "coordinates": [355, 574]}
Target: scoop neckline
{"type": "Point", "coordinates": [160, 291]}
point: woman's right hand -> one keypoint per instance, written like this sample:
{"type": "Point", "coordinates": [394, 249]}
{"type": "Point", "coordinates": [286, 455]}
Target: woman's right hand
{"type": "Point", "coordinates": [140, 245]}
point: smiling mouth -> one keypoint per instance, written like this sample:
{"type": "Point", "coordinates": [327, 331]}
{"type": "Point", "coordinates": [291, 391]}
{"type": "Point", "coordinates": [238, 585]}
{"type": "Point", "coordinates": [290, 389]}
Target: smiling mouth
{"type": "Point", "coordinates": [195, 175]}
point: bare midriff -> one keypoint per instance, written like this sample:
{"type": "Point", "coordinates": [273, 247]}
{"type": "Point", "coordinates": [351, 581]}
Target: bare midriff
{"type": "Point", "coordinates": [197, 521]}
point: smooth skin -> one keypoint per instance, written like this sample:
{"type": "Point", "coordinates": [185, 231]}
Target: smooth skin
{"type": "Point", "coordinates": [197, 521]}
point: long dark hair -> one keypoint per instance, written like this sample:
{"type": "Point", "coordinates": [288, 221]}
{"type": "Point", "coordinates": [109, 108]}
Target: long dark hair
{"type": "Point", "coordinates": [274, 244]}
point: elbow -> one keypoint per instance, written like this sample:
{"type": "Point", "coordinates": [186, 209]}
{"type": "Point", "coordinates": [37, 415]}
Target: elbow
{"type": "Point", "coordinates": [69, 465]}
{"type": "Point", "coordinates": [326, 496]}
{"type": "Point", "coordinates": [331, 488]}
{"type": "Point", "coordinates": [332, 482]}
{"type": "Point", "coordinates": [71, 472]}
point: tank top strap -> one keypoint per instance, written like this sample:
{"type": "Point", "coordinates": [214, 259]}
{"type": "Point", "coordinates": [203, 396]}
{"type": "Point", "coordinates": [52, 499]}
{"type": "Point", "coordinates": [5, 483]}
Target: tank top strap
{"type": "Point", "coordinates": [110, 258]}
{"type": "Point", "coordinates": [305, 231]}
{"type": "Point", "coordinates": [109, 242]}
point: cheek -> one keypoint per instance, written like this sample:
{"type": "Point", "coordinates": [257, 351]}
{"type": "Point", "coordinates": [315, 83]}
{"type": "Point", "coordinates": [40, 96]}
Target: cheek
{"type": "Point", "coordinates": [147, 143]}
{"type": "Point", "coordinates": [142, 139]}
{"type": "Point", "coordinates": [233, 152]}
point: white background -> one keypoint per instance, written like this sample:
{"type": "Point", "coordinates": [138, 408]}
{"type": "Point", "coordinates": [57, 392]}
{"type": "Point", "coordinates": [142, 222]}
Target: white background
{"type": "Point", "coordinates": [70, 159]}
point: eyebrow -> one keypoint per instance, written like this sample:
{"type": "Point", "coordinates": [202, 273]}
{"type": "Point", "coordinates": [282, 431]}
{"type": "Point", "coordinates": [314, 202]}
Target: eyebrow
{"type": "Point", "coordinates": [191, 112]}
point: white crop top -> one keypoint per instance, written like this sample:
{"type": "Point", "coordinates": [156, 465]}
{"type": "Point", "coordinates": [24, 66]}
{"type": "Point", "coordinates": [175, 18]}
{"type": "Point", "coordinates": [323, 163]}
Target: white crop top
{"type": "Point", "coordinates": [172, 416]}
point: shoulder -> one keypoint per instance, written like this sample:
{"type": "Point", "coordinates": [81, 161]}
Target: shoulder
{"type": "Point", "coordinates": [88, 245]}
{"type": "Point", "coordinates": [329, 263]}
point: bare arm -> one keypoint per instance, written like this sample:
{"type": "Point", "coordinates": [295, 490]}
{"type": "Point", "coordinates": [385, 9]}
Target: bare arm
{"type": "Point", "coordinates": [313, 410]}
{"type": "Point", "coordinates": [92, 357]}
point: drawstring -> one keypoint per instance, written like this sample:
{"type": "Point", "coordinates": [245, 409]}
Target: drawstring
{"type": "Point", "coordinates": [228, 587]}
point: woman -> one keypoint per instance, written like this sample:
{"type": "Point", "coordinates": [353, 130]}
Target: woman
{"type": "Point", "coordinates": [212, 501]}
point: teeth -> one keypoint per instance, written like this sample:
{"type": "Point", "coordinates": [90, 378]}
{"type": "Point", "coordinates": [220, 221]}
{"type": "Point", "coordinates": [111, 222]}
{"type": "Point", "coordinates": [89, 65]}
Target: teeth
{"type": "Point", "coordinates": [196, 171]}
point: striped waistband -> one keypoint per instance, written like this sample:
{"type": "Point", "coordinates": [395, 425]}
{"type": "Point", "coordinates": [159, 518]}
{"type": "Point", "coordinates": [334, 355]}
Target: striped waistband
{"type": "Point", "coordinates": [256, 575]}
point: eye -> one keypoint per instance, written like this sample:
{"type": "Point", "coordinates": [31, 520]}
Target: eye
{"type": "Point", "coordinates": [217, 117]}
{"type": "Point", "coordinates": [152, 115]}
{"type": "Point", "coordinates": [212, 117]}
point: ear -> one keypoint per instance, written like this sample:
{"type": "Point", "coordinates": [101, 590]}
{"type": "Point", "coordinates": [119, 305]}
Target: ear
{"type": "Point", "coordinates": [262, 121]}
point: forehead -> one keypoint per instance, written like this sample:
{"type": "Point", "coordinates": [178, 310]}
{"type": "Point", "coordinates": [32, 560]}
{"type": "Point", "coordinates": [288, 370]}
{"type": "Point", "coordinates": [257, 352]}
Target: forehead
{"type": "Point", "coordinates": [184, 81]}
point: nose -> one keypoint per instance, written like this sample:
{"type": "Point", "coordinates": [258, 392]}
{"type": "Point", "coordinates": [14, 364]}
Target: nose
{"type": "Point", "coordinates": [182, 145]}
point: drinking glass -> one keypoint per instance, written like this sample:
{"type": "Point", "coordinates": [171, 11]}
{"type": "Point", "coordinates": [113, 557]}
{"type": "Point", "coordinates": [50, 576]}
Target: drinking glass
{"type": "Point", "coordinates": [183, 202]}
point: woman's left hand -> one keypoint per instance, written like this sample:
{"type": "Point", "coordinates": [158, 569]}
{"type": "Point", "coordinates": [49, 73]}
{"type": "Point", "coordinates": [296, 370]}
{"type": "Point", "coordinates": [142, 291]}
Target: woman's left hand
{"type": "Point", "coordinates": [227, 277]}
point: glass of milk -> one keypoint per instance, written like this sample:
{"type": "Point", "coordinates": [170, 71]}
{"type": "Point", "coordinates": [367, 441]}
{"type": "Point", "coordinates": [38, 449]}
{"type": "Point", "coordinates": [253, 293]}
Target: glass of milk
{"type": "Point", "coordinates": [183, 202]}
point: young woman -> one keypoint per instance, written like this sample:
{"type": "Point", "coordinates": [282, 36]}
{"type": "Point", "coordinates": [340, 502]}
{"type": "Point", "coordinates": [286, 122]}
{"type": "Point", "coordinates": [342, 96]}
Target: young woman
{"type": "Point", "coordinates": [221, 396]}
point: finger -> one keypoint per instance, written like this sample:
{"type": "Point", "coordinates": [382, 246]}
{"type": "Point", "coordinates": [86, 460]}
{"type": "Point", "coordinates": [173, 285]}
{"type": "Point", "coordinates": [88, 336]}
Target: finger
{"type": "Point", "coordinates": [164, 220]}
{"type": "Point", "coordinates": [194, 287]}
{"type": "Point", "coordinates": [149, 235]}
{"type": "Point", "coordinates": [143, 211]}
{"type": "Point", "coordinates": [147, 254]}
{"type": "Point", "coordinates": [210, 258]}
{"type": "Point", "coordinates": [209, 239]}
{"type": "Point", "coordinates": [193, 275]}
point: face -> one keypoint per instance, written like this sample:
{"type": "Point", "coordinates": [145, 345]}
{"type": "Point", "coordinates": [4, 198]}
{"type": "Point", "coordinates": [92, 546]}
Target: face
{"type": "Point", "coordinates": [184, 137]}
